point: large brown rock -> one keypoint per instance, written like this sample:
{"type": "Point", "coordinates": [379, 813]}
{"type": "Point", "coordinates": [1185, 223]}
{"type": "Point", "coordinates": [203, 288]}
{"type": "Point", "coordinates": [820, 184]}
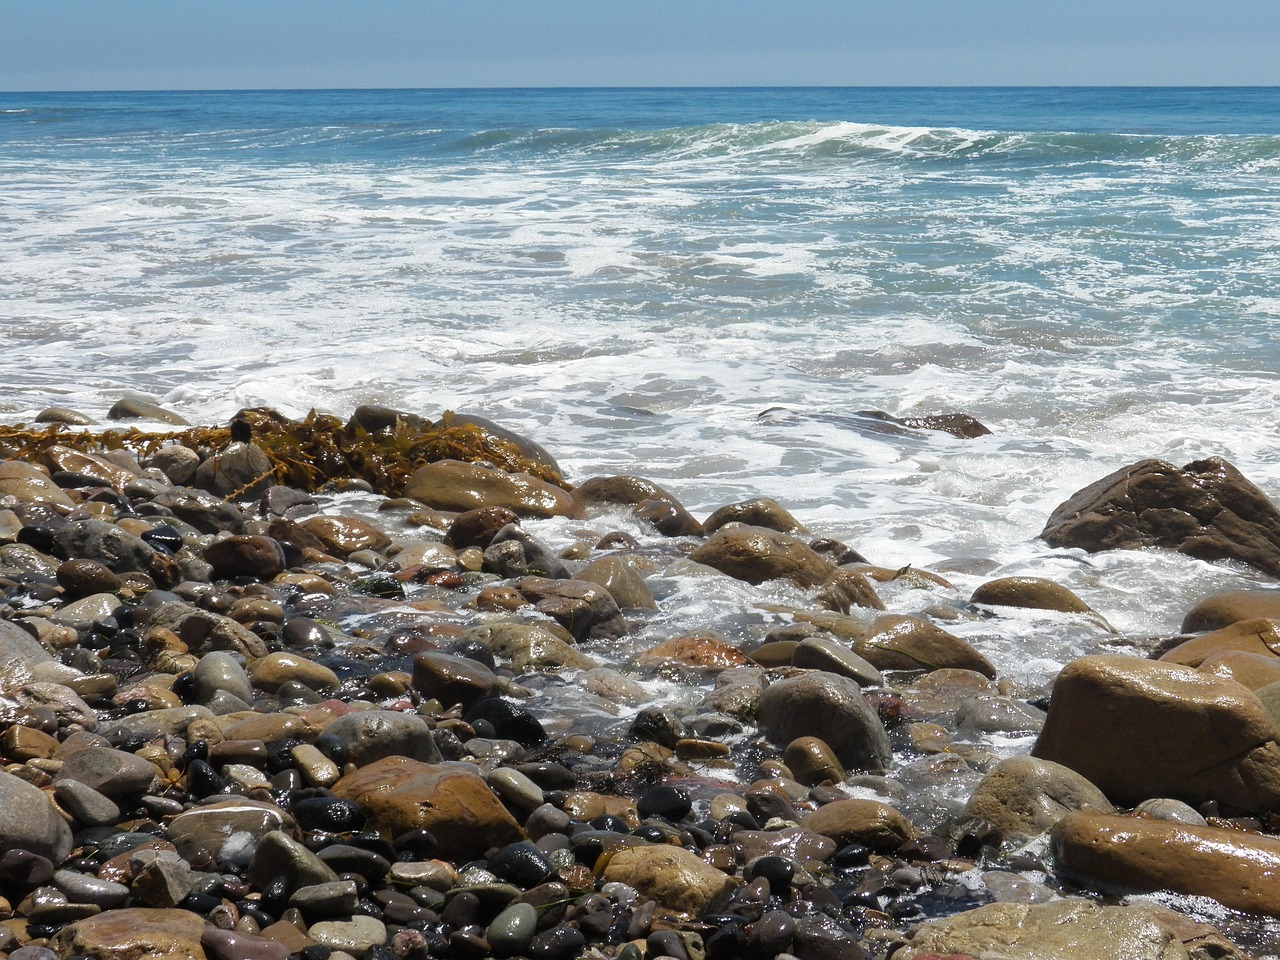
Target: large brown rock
{"type": "Point", "coordinates": [832, 708]}
{"type": "Point", "coordinates": [757, 554]}
{"type": "Point", "coordinates": [899, 642]}
{"type": "Point", "coordinates": [345, 535]}
{"type": "Point", "coordinates": [761, 512]}
{"type": "Point", "coordinates": [1234, 606]}
{"type": "Point", "coordinates": [454, 485]}
{"type": "Point", "coordinates": [623, 490]}
{"type": "Point", "coordinates": [1023, 797]}
{"type": "Point", "coordinates": [1069, 929]}
{"type": "Point", "coordinates": [1260, 636]}
{"type": "Point", "coordinates": [136, 933]}
{"type": "Point", "coordinates": [1236, 868]}
{"type": "Point", "coordinates": [1206, 509]}
{"type": "Point", "coordinates": [29, 484]}
{"type": "Point", "coordinates": [583, 608]}
{"type": "Point", "coordinates": [677, 880]}
{"type": "Point", "coordinates": [1034, 593]}
{"type": "Point", "coordinates": [1141, 728]}
{"type": "Point", "coordinates": [449, 799]}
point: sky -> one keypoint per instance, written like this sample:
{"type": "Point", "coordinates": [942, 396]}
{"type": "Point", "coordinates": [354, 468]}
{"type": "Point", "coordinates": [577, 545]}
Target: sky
{"type": "Point", "coordinates": [237, 44]}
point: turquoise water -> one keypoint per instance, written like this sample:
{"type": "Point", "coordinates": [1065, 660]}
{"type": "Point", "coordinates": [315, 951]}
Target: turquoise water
{"type": "Point", "coordinates": [635, 276]}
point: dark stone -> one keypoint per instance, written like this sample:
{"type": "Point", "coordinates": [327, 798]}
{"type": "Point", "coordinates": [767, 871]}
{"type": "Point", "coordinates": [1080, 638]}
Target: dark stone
{"type": "Point", "coordinates": [521, 863]}
{"type": "Point", "coordinates": [534, 557]}
{"type": "Point", "coordinates": [670, 803]}
{"type": "Point", "coordinates": [509, 721]}
{"type": "Point", "coordinates": [558, 943]}
{"type": "Point", "coordinates": [477, 528]}
{"type": "Point", "coordinates": [1206, 509]}
{"type": "Point", "coordinates": [329, 814]}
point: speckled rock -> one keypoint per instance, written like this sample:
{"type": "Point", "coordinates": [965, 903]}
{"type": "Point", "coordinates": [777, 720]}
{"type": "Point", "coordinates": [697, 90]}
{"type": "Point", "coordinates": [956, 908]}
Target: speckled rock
{"type": "Point", "coordinates": [136, 933]}
{"type": "Point", "coordinates": [869, 822]}
{"type": "Point", "coordinates": [677, 879]}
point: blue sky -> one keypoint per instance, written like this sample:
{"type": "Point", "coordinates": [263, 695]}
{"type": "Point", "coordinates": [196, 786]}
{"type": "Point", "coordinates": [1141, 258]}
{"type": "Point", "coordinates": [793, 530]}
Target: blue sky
{"type": "Point", "coordinates": [184, 44]}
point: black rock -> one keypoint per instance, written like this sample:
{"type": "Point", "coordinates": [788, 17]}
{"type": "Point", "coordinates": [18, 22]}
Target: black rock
{"type": "Point", "coordinates": [670, 803]}
{"type": "Point", "coordinates": [558, 943]}
{"type": "Point", "coordinates": [521, 863]}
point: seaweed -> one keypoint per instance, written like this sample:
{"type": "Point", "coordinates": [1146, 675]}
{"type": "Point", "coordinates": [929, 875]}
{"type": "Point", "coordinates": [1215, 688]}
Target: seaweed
{"type": "Point", "coordinates": [308, 454]}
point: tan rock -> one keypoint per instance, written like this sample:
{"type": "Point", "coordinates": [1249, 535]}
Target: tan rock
{"type": "Point", "coordinates": [529, 647]}
{"type": "Point", "coordinates": [587, 805]}
{"type": "Point", "coordinates": [702, 654]}
{"type": "Point", "coordinates": [760, 512]}
{"type": "Point", "coordinates": [1236, 868]}
{"type": "Point", "coordinates": [1249, 669]}
{"type": "Point", "coordinates": [269, 672]}
{"type": "Point", "coordinates": [757, 554]}
{"type": "Point", "coordinates": [1070, 929]}
{"type": "Point", "coordinates": [869, 822]}
{"type": "Point", "coordinates": [449, 799]}
{"type": "Point", "coordinates": [1035, 593]}
{"type": "Point", "coordinates": [1023, 797]}
{"type": "Point", "coordinates": [200, 833]}
{"type": "Point", "coordinates": [29, 484]}
{"type": "Point", "coordinates": [623, 490]}
{"type": "Point", "coordinates": [623, 581]}
{"type": "Point", "coordinates": [342, 536]}
{"type": "Point", "coordinates": [898, 642]}
{"type": "Point", "coordinates": [452, 679]}
{"type": "Point", "coordinates": [812, 761]}
{"type": "Point", "coordinates": [58, 457]}
{"type": "Point", "coordinates": [135, 933]}
{"type": "Point", "coordinates": [675, 878]}
{"type": "Point", "coordinates": [454, 485]}
{"type": "Point", "coordinates": [1257, 635]}
{"type": "Point", "coordinates": [846, 589]}
{"type": "Point", "coordinates": [1140, 729]}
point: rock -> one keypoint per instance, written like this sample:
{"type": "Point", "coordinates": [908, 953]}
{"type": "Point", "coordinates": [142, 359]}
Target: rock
{"type": "Point", "coordinates": [279, 855]}
{"type": "Point", "coordinates": [897, 642]}
{"type": "Point", "coordinates": [584, 609]}
{"type": "Point", "coordinates": [846, 589]}
{"type": "Point", "coordinates": [1070, 929]}
{"type": "Point", "coordinates": [226, 830]}
{"type": "Point", "coordinates": [868, 822]}
{"type": "Point", "coordinates": [1257, 636]}
{"type": "Point", "coordinates": [829, 707]}
{"type": "Point", "coordinates": [760, 512]}
{"type": "Point", "coordinates": [449, 799]}
{"type": "Point", "coordinates": [702, 654]}
{"type": "Point", "coordinates": [512, 930]}
{"type": "Point", "coordinates": [373, 734]}
{"type": "Point", "coordinates": [676, 879]}
{"type": "Point", "coordinates": [821, 653]}
{"type": "Point", "coordinates": [219, 670]}
{"type": "Point", "coordinates": [1035, 593]}
{"type": "Point", "coordinates": [161, 882]}
{"type": "Point", "coordinates": [109, 771]}
{"type": "Point", "coordinates": [529, 647]}
{"type": "Point", "coordinates": [29, 484]}
{"type": "Point", "coordinates": [668, 517]}
{"type": "Point", "coordinates": [275, 669]}
{"type": "Point", "coordinates": [991, 713]}
{"type": "Point", "coordinates": [83, 578]}
{"type": "Point", "coordinates": [28, 821]}
{"type": "Point", "coordinates": [625, 491]}
{"type": "Point", "coordinates": [621, 579]}
{"type": "Point", "coordinates": [234, 945]}
{"type": "Point", "coordinates": [134, 407]}
{"type": "Point", "coordinates": [1250, 669]}
{"type": "Point", "coordinates": [245, 556]}
{"type": "Point", "coordinates": [86, 610]}
{"type": "Point", "coordinates": [356, 936]}
{"type": "Point", "coordinates": [1206, 510]}
{"type": "Point", "coordinates": [1235, 868]}
{"type": "Point", "coordinates": [1171, 731]}
{"type": "Point", "coordinates": [343, 536]}
{"type": "Point", "coordinates": [66, 460]}
{"type": "Point", "coordinates": [242, 471]}
{"type": "Point", "coordinates": [1023, 797]}
{"type": "Point", "coordinates": [88, 806]}
{"type": "Point", "coordinates": [1234, 606]}
{"type": "Point", "coordinates": [104, 542]}
{"type": "Point", "coordinates": [204, 631]}
{"type": "Point", "coordinates": [513, 552]}
{"type": "Point", "coordinates": [527, 448]}
{"type": "Point", "coordinates": [65, 703]}
{"type": "Point", "coordinates": [205, 512]}
{"type": "Point", "coordinates": [811, 761]}
{"type": "Point", "coordinates": [477, 528]}
{"type": "Point", "coordinates": [135, 933]}
{"type": "Point", "coordinates": [73, 418]}
{"type": "Point", "coordinates": [374, 418]}
{"type": "Point", "coordinates": [454, 485]}
{"type": "Point", "coordinates": [452, 679]}
{"type": "Point", "coordinates": [756, 554]}
{"type": "Point", "coordinates": [177, 462]}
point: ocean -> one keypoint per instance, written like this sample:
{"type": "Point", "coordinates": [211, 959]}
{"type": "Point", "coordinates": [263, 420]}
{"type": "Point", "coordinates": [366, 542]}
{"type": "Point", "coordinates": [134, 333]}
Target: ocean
{"type": "Point", "coordinates": [705, 287]}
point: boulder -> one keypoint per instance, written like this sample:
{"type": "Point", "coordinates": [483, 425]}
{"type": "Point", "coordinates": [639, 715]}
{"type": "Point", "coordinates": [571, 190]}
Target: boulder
{"type": "Point", "coordinates": [452, 679]}
{"type": "Point", "coordinates": [477, 528]}
{"type": "Point", "coordinates": [240, 472]}
{"type": "Point", "coordinates": [823, 653]}
{"type": "Point", "coordinates": [59, 458]}
{"type": "Point", "coordinates": [1023, 797]}
{"type": "Point", "coordinates": [846, 589]}
{"type": "Point", "coordinates": [454, 485]}
{"type": "Point", "coordinates": [1140, 729]}
{"type": "Point", "coordinates": [451, 800]}
{"type": "Point", "coordinates": [135, 933]}
{"type": "Point", "coordinates": [28, 821]}
{"type": "Point", "coordinates": [251, 556]}
{"type": "Point", "coordinates": [868, 822]}
{"type": "Point", "coordinates": [668, 517]}
{"type": "Point", "coordinates": [832, 708]}
{"type": "Point", "coordinates": [1222, 610]}
{"type": "Point", "coordinates": [761, 512]}
{"type": "Point", "coordinates": [626, 491]}
{"type": "Point", "coordinates": [624, 582]}
{"type": "Point", "coordinates": [201, 833]}
{"type": "Point", "coordinates": [113, 547]}
{"type": "Point", "coordinates": [1250, 669]}
{"type": "Point", "coordinates": [1259, 636]}
{"type": "Point", "coordinates": [677, 880]}
{"type": "Point", "coordinates": [757, 554]}
{"type": "Point", "coordinates": [585, 609]}
{"type": "Point", "coordinates": [203, 630]}
{"type": "Point", "coordinates": [1206, 509]}
{"type": "Point", "coordinates": [529, 449]}
{"type": "Point", "coordinates": [29, 484]}
{"type": "Point", "coordinates": [275, 669]}
{"type": "Point", "coordinates": [373, 734]}
{"type": "Point", "coordinates": [529, 647]}
{"type": "Point", "coordinates": [1034, 593]}
{"type": "Point", "coordinates": [342, 536]}
{"type": "Point", "coordinates": [1070, 929]}
{"type": "Point", "coordinates": [1234, 867]}
{"type": "Point", "coordinates": [898, 642]}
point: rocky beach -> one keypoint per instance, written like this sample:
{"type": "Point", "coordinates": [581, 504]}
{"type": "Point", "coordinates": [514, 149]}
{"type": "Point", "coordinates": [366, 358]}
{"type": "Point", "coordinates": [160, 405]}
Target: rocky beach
{"type": "Point", "coordinates": [395, 687]}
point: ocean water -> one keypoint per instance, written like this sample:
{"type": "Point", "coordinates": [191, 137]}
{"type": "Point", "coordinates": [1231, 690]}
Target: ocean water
{"type": "Point", "coordinates": [705, 287]}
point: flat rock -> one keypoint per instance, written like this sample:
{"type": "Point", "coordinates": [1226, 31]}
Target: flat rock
{"type": "Point", "coordinates": [832, 708]}
{"type": "Point", "coordinates": [454, 485]}
{"type": "Point", "coordinates": [112, 772]}
{"type": "Point", "coordinates": [1023, 797]}
{"type": "Point", "coordinates": [1070, 929]}
{"type": "Point", "coordinates": [757, 554]}
{"type": "Point", "coordinates": [29, 484]}
{"type": "Point", "coordinates": [135, 933]}
{"type": "Point", "coordinates": [1236, 868]}
{"type": "Point", "coordinates": [899, 642]}
{"type": "Point", "coordinates": [676, 879]}
{"type": "Point", "coordinates": [449, 799]}
{"type": "Point", "coordinates": [356, 936]}
{"type": "Point", "coordinates": [201, 833]}
{"type": "Point", "coordinates": [1140, 729]}
{"type": "Point", "coordinates": [820, 653]}
{"type": "Point", "coordinates": [868, 822]}
{"type": "Point", "coordinates": [28, 821]}
{"type": "Point", "coordinates": [59, 458]}
{"type": "Point", "coordinates": [1207, 509]}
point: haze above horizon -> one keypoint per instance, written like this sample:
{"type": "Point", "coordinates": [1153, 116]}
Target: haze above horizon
{"type": "Point", "coordinates": [79, 45]}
